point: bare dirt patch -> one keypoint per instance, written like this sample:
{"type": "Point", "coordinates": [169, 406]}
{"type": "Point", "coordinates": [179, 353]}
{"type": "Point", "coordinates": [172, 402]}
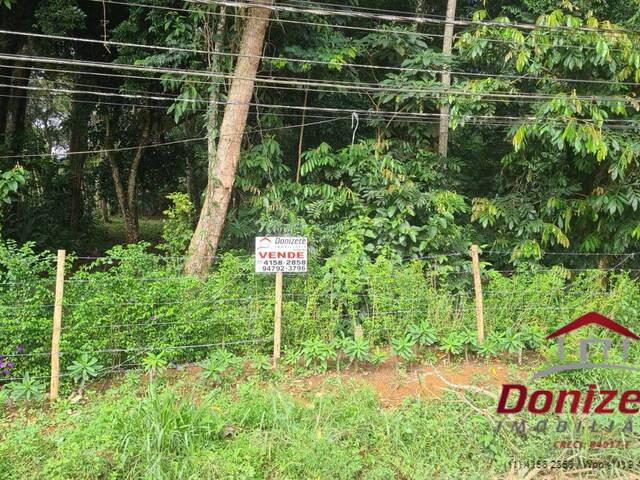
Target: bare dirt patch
{"type": "Point", "coordinates": [393, 384]}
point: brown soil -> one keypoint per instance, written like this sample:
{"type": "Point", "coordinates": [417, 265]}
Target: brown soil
{"type": "Point", "coordinates": [393, 384]}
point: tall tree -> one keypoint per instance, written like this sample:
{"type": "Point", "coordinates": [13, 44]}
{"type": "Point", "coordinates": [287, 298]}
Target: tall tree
{"type": "Point", "coordinates": [443, 132]}
{"type": "Point", "coordinates": [78, 145]}
{"type": "Point", "coordinates": [127, 194]}
{"type": "Point", "coordinates": [224, 162]}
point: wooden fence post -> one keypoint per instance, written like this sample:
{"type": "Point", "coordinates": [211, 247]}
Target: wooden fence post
{"type": "Point", "coordinates": [477, 283]}
{"type": "Point", "coordinates": [277, 320]}
{"type": "Point", "coordinates": [57, 326]}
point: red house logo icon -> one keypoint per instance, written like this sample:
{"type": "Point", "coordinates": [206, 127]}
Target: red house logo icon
{"type": "Point", "coordinates": [263, 242]}
{"type": "Point", "coordinates": [591, 318]}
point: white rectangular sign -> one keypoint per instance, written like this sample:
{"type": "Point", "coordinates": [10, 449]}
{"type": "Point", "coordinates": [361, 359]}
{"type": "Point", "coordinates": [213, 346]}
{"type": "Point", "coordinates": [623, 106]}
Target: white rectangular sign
{"type": "Point", "coordinates": [281, 254]}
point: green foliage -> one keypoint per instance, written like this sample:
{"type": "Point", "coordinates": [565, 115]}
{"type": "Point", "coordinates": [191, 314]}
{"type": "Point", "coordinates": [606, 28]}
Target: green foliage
{"type": "Point", "coordinates": [377, 357]}
{"type": "Point", "coordinates": [422, 334]}
{"type": "Point", "coordinates": [220, 364]}
{"type": "Point", "coordinates": [403, 348]}
{"type": "Point", "coordinates": [490, 347]}
{"type": "Point", "coordinates": [10, 182]}
{"type": "Point", "coordinates": [84, 368]}
{"type": "Point", "coordinates": [59, 16]}
{"type": "Point", "coordinates": [176, 226]}
{"type": "Point", "coordinates": [28, 389]}
{"type": "Point", "coordinates": [134, 300]}
{"type": "Point", "coordinates": [358, 350]}
{"type": "Point", "coordinates": [317, 353]}
{"type": "Point", "coordinates": [154, 363]}
{"type": "Point", "coordinates": [568, 136]}
{"type": "Point", "coordinates": [161, 432]}
{"type": "Point", "coordinates": [261, 364]}
{"type": "Point", "coordinates": [452, 344]}
{"type": "Point", "coordinates": [392, 193]}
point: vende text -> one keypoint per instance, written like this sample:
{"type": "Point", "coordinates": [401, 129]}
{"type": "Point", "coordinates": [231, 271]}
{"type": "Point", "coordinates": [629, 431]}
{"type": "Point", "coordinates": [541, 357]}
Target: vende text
{"type": "Point", "coordinates": [281, 254]}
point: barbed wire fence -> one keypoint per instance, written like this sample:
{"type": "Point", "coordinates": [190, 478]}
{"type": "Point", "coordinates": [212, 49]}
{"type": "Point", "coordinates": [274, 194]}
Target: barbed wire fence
{"type": "Point", "coordinates": [120, 318]}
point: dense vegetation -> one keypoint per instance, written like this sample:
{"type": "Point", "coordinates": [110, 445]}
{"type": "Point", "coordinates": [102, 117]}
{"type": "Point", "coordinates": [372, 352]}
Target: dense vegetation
{"type": "Point", "coordinates": [153, 140]}
{"type": "Point", "coordinates": [249, 429]}
{"type": "Point", "coordinates": [132, 304]}
{"type": "Point", "coordinates": [542, 153]}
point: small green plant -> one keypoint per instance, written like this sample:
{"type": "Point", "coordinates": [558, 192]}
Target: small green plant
{"type": "Point", "coordinates": [154, 363]}
{"type": "Point", "coordinates": [27, 389]}
{"type": "Point", "coordinates": [377, 357]}
{"type": "Point", "coordinates": [317, 352]}
{"type": "Point", "coordinates": [489, 348]}
{"type": "Point", "coordinates": [451, 345]}
{"type": "Point", "coordinates": [84, 368]}
{"type": "Point", "coordinates": [212, 370]}
{"type": "Point", "coordinates": [513, 343]}
{"type": "Point", "coordinates": [403, 348]}
{"type": "Point", "coordinates": [262, 365]}
{"type": "Point", "coordinates": [430, 357]}
{"type": "Point", "coordinates": [356, 349]}
{"type": "Point", "coordinates": [422, 334]}
{"type": "Point", "coordinates": [221, 363]}
{"type": "Point", "coordinates": [469, 339]}
{"type": "Point", "coordinates": [291, 357]}
{"type": "Point", "coordinates": [532, 337]}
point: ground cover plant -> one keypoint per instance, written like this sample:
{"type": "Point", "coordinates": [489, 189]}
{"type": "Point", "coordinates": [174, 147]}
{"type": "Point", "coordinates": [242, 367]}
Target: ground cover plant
{"type": "Point", "coordinates": [178, 427]}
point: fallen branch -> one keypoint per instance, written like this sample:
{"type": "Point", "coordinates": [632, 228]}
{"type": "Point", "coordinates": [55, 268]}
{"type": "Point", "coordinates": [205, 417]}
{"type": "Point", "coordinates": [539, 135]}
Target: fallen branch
{"type": "Point", "coordinates": [468, 388]}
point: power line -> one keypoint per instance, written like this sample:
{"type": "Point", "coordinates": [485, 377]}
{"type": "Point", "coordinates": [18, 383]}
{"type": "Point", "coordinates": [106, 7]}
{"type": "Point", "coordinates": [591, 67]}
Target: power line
{"type": "Point", "coordinates": [282, 81]}
{"type": "Point", "coordinates": [280, 20]}
{"type": "Point", "coordinates": [358, 86]}
{"type": "Point", "coordinates": [163, 144]}
{"type": "Point", "coordinates": [302, 108]}
{"type": "Point", "coordinates": [384, 117]}
{"type": "Point", "coordinates": [375, 30]}
{"type": "Point", "coordinates": [422, 19]}
{"type": "Point", "coordinates": [314, 62]}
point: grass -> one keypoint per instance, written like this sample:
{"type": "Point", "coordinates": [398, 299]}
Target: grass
{"type": "Point", "coordinates": [184, 429]}
{"type": "Point", "coordinates": [114, 232]}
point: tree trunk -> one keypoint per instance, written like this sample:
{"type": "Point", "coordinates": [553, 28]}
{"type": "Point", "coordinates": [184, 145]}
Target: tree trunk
{"type": "Point", "coordinates": [127, 198]}
{"type": "Point", "coordinates": [191, 186]}
{"type": "Point", "coordinates": [301, 139]}
{"type": "Point", "coordinates": [222, 167]}
{"type": "Point", "coordinates": [78, 142]}
{"type": "Point", "coordinates": [443, 131]}
{"type": "Point", "coordinates": [101, 202]}
{"type": "Point", "coordinates": [17, 108]}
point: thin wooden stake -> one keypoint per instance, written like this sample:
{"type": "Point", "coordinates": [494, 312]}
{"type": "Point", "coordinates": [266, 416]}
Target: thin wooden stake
{"type": "Point", "coordinates": [57, 326]}
{"type": "Point", "coordinates": [477, 283]}
{"type": "Point", "coordinates": [277, 323]}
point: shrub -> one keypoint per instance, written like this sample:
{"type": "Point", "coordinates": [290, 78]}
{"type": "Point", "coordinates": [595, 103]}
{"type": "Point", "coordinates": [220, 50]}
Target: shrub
{"type": "Point", "coordinates": [356, 349]}
{"type": "Point", "coordinates": [317, 352]}
{"type": "Point", "coordinates": [403, 347]}
{"type": "Point", "coordinates": [28, 389]}
{"type": "Point", "coordinates": [84, 368]}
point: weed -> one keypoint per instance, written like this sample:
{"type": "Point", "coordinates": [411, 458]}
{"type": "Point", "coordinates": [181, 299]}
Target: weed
{"type": "Point", "coordinates": [317, 352]}
{"type": "Point", "coordinates": [356, 349]}
{"type": "Point", "coordinates": [403, 347]}
{"type": "Point", "coordinates": [84, 368]}
{"type": "Point", "coordinates": [28, 389]}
